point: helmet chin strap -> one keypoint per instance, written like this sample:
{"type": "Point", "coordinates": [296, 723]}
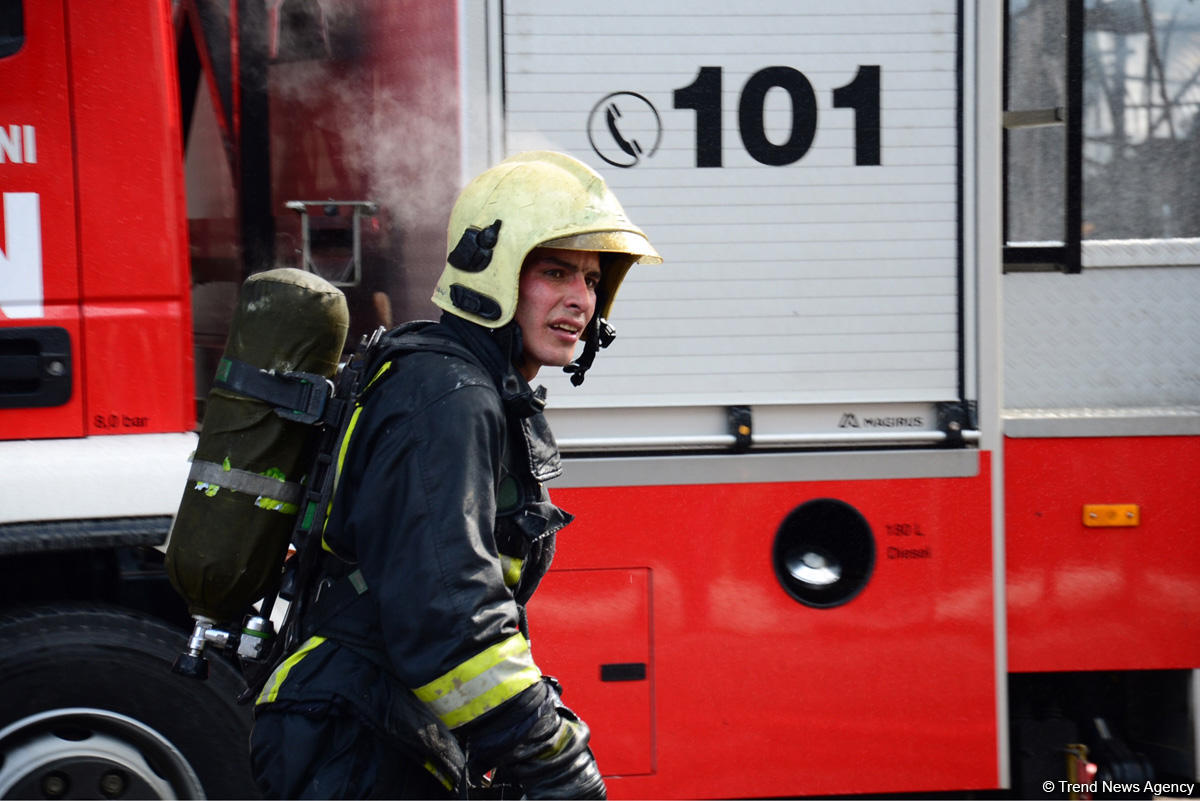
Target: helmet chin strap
{"type": "Point", "coordinates": [600, 335]}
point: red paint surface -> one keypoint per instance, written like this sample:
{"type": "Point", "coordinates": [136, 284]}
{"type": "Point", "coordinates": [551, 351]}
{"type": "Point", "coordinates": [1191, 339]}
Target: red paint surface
{"type": "Point", "coordinates": [1084, 598]}
{"type": "Point", "coordinates": [100, 89]}
{"type": "Point", "coordinates": [137, 347]}
{"type": "Point", "coordinates": [749, 692]}
{"type": "Point", "coordinates": [35, 93]}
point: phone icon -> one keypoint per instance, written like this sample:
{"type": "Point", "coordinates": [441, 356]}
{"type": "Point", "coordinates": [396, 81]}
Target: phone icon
{"type": "Point", "coordinates": [630, 146]}
{"type": "Point", "coordinates": [624, 129]}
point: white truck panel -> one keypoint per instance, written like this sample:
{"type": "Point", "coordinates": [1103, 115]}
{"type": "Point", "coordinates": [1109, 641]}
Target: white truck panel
{"type": "Point", "coordinates": [1109, 338]}
{"type": "Point", "coordinates": [138, 475]}
{"type": "Point", "coordinates": [818, 281]}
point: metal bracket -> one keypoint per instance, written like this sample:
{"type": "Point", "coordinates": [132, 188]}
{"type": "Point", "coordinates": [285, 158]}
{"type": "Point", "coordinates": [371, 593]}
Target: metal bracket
{"type": "Point", "coordinates": [326, 241]}
{"type": "Point", "coordinates": [954, 419]}
{"type": "Point", "coordinates": [741, 426]}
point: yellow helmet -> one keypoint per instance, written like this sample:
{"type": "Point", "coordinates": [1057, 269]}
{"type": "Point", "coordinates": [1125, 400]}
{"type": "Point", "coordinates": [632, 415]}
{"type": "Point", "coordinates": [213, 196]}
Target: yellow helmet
{"type": "Point", "coordinates": [534, 199]}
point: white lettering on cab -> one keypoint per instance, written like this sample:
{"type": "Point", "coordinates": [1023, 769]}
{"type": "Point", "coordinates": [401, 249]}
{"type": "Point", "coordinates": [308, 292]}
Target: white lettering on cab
{"type": "Point", "coordinates": [18, 144]}
{"type": "Point", "coordinates": [21, 290]}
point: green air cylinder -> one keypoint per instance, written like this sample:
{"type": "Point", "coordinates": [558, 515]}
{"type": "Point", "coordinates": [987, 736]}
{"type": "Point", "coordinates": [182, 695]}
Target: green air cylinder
{"type": "Point", "coordinates": [233, 527]}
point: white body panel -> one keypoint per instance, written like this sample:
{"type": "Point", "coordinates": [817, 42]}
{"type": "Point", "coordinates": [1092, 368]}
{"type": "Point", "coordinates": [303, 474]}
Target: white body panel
{"type": "Point", "coordinates": [817, 290]}
{"type": "Point", "coordinates": [1109, 338]}
{"type": "Point", "coordinates": [94, 477]}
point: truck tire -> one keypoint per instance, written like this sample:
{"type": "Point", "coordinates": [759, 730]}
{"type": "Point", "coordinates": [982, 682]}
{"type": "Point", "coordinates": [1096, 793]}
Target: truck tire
{"type": "Point", "coordinates": [89, 708]}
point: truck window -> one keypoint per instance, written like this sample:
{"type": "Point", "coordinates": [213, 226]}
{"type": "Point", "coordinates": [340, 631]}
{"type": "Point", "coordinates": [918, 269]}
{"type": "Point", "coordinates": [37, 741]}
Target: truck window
{"type": "Point", "coordinates": [1141, 95]}
{"type": "Point", "coordinates": [1100, 141]}
{"type": "Point", "coordinates": [12, 27]}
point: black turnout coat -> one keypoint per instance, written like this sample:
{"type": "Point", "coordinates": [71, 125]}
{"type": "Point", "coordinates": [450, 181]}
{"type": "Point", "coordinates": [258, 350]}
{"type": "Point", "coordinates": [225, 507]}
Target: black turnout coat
{"type": "Point", "coordinates": [439, 532]}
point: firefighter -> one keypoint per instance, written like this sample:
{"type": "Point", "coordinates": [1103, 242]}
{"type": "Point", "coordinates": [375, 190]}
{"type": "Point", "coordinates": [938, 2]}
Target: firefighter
{"type": "Point", "coordinates": [414, 675]}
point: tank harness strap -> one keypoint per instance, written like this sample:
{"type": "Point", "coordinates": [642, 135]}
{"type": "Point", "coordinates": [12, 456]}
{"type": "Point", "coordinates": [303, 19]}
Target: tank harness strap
{"type": "Point", "coordinates": [245, 481]}
{"type": "Point", "coordinates": [295, 395]}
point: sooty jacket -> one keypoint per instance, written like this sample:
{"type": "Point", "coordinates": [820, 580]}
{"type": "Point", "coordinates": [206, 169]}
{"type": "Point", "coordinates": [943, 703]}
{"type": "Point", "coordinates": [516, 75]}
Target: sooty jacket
{"type": "Point", "coordinates": [443, 530]}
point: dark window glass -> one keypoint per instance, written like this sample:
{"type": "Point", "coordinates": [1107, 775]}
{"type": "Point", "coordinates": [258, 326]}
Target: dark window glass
{"type": "Point", "coordinates": [1036, 82]}
{"type": "Point", "coordinates": [12, 27]}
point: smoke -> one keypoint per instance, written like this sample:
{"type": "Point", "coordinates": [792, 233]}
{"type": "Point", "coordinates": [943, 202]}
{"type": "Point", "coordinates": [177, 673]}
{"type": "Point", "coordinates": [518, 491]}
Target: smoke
{"type": "Point", "coordinates": [408, 153]}
{"type": "Point", "coordinates": [364, 132]}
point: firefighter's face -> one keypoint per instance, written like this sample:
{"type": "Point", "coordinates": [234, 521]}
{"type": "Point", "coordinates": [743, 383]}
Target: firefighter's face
{"type": "Point", "coordinates": [557, 298]}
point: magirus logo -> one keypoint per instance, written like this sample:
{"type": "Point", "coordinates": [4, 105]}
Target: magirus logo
{"type": "Point", "coordinates": [851, 420]}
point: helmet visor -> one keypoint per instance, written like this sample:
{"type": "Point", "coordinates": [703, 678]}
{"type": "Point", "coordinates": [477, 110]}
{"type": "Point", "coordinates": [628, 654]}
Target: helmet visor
{"type": "Point", "coordinates": [609, 242]}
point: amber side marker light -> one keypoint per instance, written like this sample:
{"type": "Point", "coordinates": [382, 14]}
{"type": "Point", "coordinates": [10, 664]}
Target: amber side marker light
{"type": "Point", "coordinates": [1111, 515]}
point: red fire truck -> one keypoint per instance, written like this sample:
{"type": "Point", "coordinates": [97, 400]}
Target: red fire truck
{"type": "Point", "coordinates": [884, 486]}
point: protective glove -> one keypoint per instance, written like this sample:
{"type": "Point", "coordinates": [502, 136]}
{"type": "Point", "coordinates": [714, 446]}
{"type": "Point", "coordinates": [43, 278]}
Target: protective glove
{"type": "Point", "coordinates": [554, 760]}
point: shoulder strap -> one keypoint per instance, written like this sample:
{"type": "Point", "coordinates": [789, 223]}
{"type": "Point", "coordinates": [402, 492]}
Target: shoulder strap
{"type": "Point", "coordinates": [319, 486]}
{"type": "Point", "coordinates": [412, 338]}
{"type": "Point", "coordinates": [364, 372]}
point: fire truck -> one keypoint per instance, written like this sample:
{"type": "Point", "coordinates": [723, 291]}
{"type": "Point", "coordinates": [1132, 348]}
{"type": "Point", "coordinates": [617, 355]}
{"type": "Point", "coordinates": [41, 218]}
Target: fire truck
{"type": "Point", "coordinates": [888, 483]}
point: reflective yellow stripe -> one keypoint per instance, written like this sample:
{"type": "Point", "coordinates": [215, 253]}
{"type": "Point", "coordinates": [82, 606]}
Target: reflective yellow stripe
{"type": "Point", "coordinates": [275, 505]}
{"type": "Point", "coordinates": [483, 682]}
{"type": "Point", "coordinates": [344, 447]}
{"type": "Point", "coordinates": [378, 374]}
{"type": "Point", "coordinates": [566, 733]}
{"type": "Point", "coordinates": [511, 566]}
{"type": "Point", "coordinates": [337, 473]}
{"type": "Point", "coordinates": [345, 444]}
{"type": "Point", "coordinates": [271, 691]}
{"type": "Point", "coordinates": [437, 774]}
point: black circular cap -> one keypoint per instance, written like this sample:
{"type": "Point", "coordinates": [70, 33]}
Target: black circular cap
{"type": "Point", "coordinates": [195, 667]}
{"type": "Point", "coordinates": [824, 553]}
